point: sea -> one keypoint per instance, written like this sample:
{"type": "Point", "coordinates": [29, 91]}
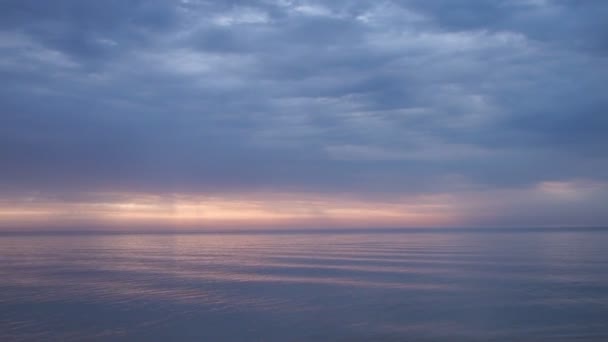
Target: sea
{"type": "Point", "coordinates": [512, 285]}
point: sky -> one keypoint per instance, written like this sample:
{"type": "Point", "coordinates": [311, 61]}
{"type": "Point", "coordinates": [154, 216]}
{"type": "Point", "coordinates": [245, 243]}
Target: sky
{"type": "Point", "coordinates": [281, 113]}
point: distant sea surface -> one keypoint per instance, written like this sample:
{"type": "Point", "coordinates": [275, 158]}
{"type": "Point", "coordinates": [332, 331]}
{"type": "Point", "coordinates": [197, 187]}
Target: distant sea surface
{"type": "Point", "coordinates": [401, 285]}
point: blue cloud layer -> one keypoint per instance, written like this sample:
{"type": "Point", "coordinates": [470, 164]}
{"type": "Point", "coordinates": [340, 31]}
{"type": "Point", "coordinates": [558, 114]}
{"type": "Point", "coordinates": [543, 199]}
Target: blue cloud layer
{"type": "Point", "coordinates": [381, 98]}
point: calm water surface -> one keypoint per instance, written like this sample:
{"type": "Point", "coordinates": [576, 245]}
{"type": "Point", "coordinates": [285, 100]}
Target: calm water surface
{"type": "Point", "coordinates": [463, 285]}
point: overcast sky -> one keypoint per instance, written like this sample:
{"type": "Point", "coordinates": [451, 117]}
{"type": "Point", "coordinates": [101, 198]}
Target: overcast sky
{"type": "Point", "coordinates": [487, 112]}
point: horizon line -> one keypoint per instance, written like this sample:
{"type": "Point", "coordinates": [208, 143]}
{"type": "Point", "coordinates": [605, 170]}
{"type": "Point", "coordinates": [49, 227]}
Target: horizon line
{"type": "Point", "coordinates": [366, 230]}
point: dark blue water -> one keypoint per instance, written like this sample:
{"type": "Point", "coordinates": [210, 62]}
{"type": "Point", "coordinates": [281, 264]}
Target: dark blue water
{"type": "Point", "coordinates": [465, 285]}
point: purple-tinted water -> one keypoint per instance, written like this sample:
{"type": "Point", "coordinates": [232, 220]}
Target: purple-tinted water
{"type": "Point", "coordinates": [462, 285]}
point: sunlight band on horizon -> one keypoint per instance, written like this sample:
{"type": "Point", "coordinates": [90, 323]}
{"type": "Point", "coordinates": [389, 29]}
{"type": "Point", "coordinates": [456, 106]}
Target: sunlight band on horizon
{"type": "Point", "coordinates": [200, 211]}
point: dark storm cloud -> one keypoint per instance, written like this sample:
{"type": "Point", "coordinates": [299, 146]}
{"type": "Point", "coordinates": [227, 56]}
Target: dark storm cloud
{"type": "Point", "coordinates": [369, 97]}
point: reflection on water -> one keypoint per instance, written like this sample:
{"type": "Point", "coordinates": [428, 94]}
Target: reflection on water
{"type": "Point", "coordinates": [358, 286]}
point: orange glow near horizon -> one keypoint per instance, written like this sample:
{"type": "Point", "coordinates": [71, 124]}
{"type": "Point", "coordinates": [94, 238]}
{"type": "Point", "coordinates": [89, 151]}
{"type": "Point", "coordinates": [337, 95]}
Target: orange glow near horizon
{"type": "Point", "coordinates": [245, 211]}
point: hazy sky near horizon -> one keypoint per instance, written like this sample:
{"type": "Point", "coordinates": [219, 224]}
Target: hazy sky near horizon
{"type": "Point", "coordinates": [304, 113]}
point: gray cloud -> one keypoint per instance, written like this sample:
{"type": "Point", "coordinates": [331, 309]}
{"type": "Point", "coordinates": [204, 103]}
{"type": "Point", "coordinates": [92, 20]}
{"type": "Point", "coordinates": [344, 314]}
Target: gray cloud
{"type": "Point", "coordinates": [386, 98]}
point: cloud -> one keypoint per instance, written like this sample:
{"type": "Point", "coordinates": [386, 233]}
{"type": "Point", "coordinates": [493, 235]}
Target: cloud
{"type": "Point", "coordinates": [380, 99]}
